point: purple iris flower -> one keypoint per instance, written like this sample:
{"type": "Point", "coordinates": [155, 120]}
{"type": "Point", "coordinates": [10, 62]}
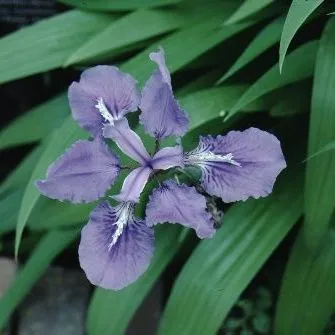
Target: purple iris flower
{"type": "Point", "coordinates": [116, 246]}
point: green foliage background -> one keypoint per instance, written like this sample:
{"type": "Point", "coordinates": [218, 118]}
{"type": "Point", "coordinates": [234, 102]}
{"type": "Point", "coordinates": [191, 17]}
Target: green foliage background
{"type": "Point", "coordinates": [263, 61]}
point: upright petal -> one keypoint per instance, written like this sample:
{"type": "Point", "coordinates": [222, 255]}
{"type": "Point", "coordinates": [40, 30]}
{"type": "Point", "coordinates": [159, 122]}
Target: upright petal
{"type": "Point", "coordinates": [127, 140]}
{"type": "Point", "coordinates": [134, 184]}
{"type": "Point", "coordinates": [161, 114]}
{"type": "Point", "coordinates": [182, 204]}
{"type": "Point", "coordinates": [239, 165]}
{"type": "Point", "coordinates": [167, 158]}
{"type": "Point", "coordinates": [82, 174]}
{"type": "Point", "coordinates": [115, 248]}
{"type": "Point", "coordinates": [104, 94]}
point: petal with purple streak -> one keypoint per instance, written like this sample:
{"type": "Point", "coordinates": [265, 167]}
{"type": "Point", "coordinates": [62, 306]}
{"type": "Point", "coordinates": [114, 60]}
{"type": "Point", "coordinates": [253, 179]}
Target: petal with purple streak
{"type": "Point", "coordinates": [115, 248]}
{"type": "Point", "coordinates": [134, 184]}
{"type": "Point", "coordinates": [161, 114]}
{"type": "Point", "coordinates": [127, 140]}
{"type": "Point", "coordinates": [181, 204]}
{"type": "Point", "coordinates": [82, 174]}
{"type": "Point", "coordinates": [167, 158]}
{"type": "Point", "coordinates": [103, 93]}
{"type": "Point", "coordinates": [239, 165]}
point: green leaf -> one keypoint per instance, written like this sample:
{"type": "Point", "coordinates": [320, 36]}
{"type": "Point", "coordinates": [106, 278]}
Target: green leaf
{"type": "Point", "coordinates": [307, 296]}
{"type": "Point", "coordinates": [109, 311]}
{"type": "Point", "coordinates": [60, 140]}
{"type": "Point", "coordinates": [144, 24]}
{"type": "Point", "coordinates": [184, 46]}
{"type": "Point", "coordinates": [9, 206]}
{"type": "Point", "coordinates": [293, 100]}
{"type": "Point", "coordinates": [268, 37]}
{"type": "Point", "coordinates": [48, 248]}
{"type": "Point", "coordinates": [20, 175]}
{"type": "Point", "coordinates": [320, 173]}
{"type": "Point", "coordinates": [47, 44]}
{"type": "Point", "coordinates": [327, 147]}
{"type": "Point", "coordinates": [299, 65]}
{"type": "Point", "coordinates": [220, 268]}
{"type": "Point", "coordinates": [248, 8]}
{"type": "Point", "coordinates": [118, 5]}
{"type": "Point", "coordinates": [298, 13]}
{"type": "Point", "coordinates": [35, 124]}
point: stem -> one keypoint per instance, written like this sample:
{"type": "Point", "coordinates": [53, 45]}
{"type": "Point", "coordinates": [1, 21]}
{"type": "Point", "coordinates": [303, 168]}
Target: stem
{"type": "Point", "coordinates": [157, 145]}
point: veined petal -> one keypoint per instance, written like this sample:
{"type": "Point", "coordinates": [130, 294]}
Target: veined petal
{"type": "Point", "coordinates": [115, 248]}
{"type": "Point", "coordinates": [127, 140]}
{"type": "Point", "coordinates": [82, 174]}
{"type": "Point", "coordinates": [167, 158]}
{"type": "Point", "coordinates": [134, 184]}
{"type": "Point", "coordinates": [182, 204]}
{"type": "Point", "coordinates": [103, 94]}
{"type": "Point", "coordinates": [161, 114]}
{"type": "Point", "coordinates": [239, 165]}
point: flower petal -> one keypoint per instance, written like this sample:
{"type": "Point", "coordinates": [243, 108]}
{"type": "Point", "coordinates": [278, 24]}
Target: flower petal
{"type": "Point", "coordinates": [182, 204]}
{"type": "Point", "coordinates": [161, 114]}
{"type": "Point", "coordinates": [114, 265]}
{"type": "Point", "coordinates": [115, 90]}
{"type": "Point", "coordinates": [82, 174]}
{"type": "Point", "coordinates": [127, 140]}
{"type": "Point", "coordinates": [134, 184]}
{"type": "Point", "coordinates": [167, 158]}
{"type": "Point", "coordinates": [254, 160]}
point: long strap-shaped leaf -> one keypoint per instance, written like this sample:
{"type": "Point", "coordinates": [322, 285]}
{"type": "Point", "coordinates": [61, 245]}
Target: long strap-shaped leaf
{"type": "Point", "coordinates": [48, 248]}
{"type": "Point", "coordinates": [47, 44]}
{"type": "Point", "coordinates": [248, 8]}
{"type": "Point", "coordinates": [299, 11]}
{"type": "Point", "coordinates": [110, 312]}
{"type": "Point", "coordinates": [320, 176]}
{"type": "Point", "coordinates": [219, 269]}
{"type": "Point", "coordinates": [118, 5]}
{"type": "Point", "coordinates": [299, 65]}
{"type": "Point", "coordinates": [307, 296]}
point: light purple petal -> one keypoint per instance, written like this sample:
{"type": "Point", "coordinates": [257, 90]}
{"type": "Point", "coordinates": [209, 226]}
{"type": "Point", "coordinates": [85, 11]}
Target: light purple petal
{"type": "Point", "coordinates": [115, 90]}
{"type": "Point", "coordinates": [167, 158]}
{"type": "Point", "coordinates": [127, 140]}
{"type": "Point", "coordinates": [114, 257]}
{"type": "Point", "coordinates": [161, 114]}
{"type": "Point", "coordinates": [159, 58]}
{"type": "Point", "coordinates": [254, 160]}
{"type": "Point", "coordinates": [182, 204]}
{"type": "Point", "coordinates": [134, 184]}
{"type": "Point", "coordinates": [82, 174]}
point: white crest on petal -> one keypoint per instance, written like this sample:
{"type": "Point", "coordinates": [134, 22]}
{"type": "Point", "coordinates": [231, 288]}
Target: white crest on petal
{"type": "Point", "coordinates": [201, 157]}
{"type": "Point", "coordinates": [125, 211]}
{"type": "Point", "coordinates": [103, 110]}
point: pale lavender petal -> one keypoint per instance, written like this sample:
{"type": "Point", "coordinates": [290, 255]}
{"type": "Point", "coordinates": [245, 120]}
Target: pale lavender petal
{"type": "Point", "coordinates": [127, 140]}
{"type": "Point", "coordinates": [114, 257]}
{"type": "Point", "coordinates": [134, 184]}
{"type": "Point", "coordinates": [167, 158]}
{"type": "Point", "coordinates": [161, 114]}
{"type": "Point", "coordinates": [254, 160]}
{"type": "Point", "coordinates": [181, 204]}
{"type": "Point", "coordinates": [159, 58]}
{"type": "Point", "coordinates": [114, 90]}
{"type": "Point", "coordinates": [82, 174]}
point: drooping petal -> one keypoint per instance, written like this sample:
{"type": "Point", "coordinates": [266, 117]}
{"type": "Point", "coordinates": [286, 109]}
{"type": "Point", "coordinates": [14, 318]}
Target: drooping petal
{"type": "Point", "coordinates": [134, 184]}
{"type": "Point", "coordinates": [239, 165]}
{"type": "Point", "coordinates": [167, 158]}
{"type": "Point", "coordinates": [161, 114]}
{"type": "Point", "coordinates": [82, 174]}
{"type": "Point", "coordinates": [102, 95]}
{"type": "Point", "coordinates": [127, 140]}
{"type": "Point", "coordinates": [182, 204]}
{"type": "Point", "coordinates": [115, 248]}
